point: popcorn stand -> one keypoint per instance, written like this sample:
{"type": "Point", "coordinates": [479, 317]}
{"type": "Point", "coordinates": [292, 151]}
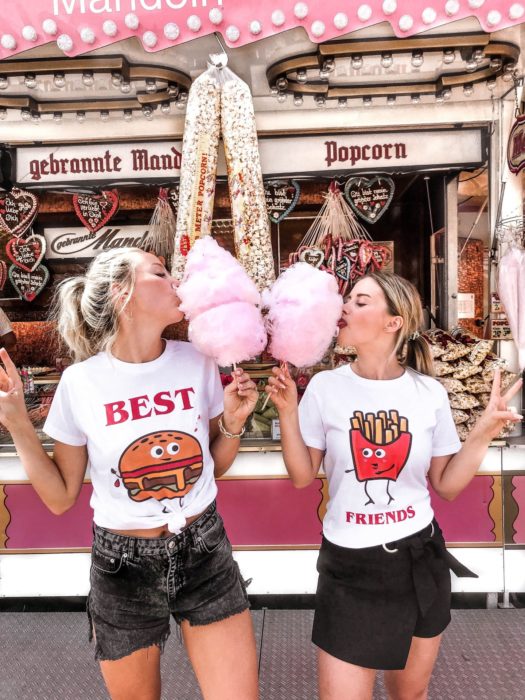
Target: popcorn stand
{"type": "Point", "coordinates": [123, 119]}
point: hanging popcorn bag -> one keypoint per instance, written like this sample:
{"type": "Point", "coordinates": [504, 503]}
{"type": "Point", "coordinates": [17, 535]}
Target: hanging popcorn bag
{"type": "Point", "coordinates": [248, 201]}
{"type": "Point", "coordinates": [200, 149]}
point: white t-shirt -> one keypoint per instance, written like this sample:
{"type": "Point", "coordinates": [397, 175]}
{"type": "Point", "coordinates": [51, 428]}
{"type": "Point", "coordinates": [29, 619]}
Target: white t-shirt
{"type": "Point", "coordinates": [146, 428]}
{"type": "Point", "coordinates": [379, 437]}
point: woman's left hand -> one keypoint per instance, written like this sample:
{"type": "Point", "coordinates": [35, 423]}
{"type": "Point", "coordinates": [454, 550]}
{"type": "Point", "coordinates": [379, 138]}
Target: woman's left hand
{"type": "Point", "coordinates": [240, 397]}
{"type": "Point", "coordinates": [497, 414]}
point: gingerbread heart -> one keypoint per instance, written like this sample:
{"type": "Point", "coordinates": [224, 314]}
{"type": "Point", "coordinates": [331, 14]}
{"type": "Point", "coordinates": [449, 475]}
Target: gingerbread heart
{"type": "Point", "coordinates": [95, 210]}
{"type": "Point", "coordinates": [343, 267]}
{"type": "Point", "coordinates": [3, 274]}
{"type": "Point", "coordinates": [28, 284]}
{"type": "Point", "coordinates": [26, 253]}
{"type": "Point", "coordinates": [312, 256]}
{"type": "Point", "coordinates": [369, 197]}
{"type": "Point", "coordinates": [18, 208]}
{"type": "Point", "coordinates": [281, 198]}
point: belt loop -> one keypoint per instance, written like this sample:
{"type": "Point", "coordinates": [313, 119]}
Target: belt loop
{"type": "Point", "coordinates": [131, 548]}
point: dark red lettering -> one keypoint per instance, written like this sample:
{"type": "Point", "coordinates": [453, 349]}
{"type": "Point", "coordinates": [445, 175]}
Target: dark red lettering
{"type": "Point", "coordinates": [360, 519]}
{"type": "Point", "coordinates": [163, 399]}
{"type": "Point", "coordinates": [137, 403]}
{"type": "Point", "coordinates": [115, 413]}
{"type": "Point", "coordinates": [186, 405]}
{"type": "Point", "coordinates": [349, 516]}
{"type": "Point", "coordinates": [411, 512]}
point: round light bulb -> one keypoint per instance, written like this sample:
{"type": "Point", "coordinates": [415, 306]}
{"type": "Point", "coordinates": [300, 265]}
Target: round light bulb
{"type": "Point", "coordinates": [386, 60]}
{"type": "Point", "coordinates": [428, 15]}
{"type": "Point", "coordinates": [49, 26]}
{"type": "Point", "coordinates": [278, 18]}
{"type": "Point", "coordinates": [298, 100]}
{"type": "Point", "coordinates": [4, 82]}
{"type": "Point", "coordinates": [318, 28]}
{"type": "Point", "coordinates": [104, 115]}
{"type": "Point", "coordinates": [171, 31]}
{"type": "Point", "coordinates": [59, 80]}
{"type": "Point", "coordinates": [131, 21]}
{"type": "Point", "coordinates": [110, 28]}
{"type": "Point", "coordinates": [341, 21]}
{"type": "Point", "coordinates": [29, 33]}
{"type": "Point", "coordinates": [357, 61]}
{"type": "Point", "coordinates": [255, 27]}
{"type": "Point", "coordinates": [215, 15]}
{"type": "Point", "coordinates": [88, 78]}
{"type": "Point", "coordinates": [417, 59]}
{"type": "Point", "coordinates": [302, 76]}
{"type": "Point", "coordinates": [300, 10]}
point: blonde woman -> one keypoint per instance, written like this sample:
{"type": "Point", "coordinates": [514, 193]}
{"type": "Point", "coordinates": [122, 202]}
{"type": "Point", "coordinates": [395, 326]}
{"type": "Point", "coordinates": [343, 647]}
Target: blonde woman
{"type": "Point", "coordinates": [150, 416]}
{"type": "Point", "coordinates": [383, 426]}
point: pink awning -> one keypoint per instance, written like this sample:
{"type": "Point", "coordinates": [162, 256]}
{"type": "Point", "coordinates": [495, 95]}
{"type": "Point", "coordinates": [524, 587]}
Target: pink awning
{"type": "Point", "coordinates": [79, 26]}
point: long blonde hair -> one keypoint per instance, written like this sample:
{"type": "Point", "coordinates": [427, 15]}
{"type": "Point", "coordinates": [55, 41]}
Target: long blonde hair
{"type": "Point", "coordinates": [403, 299]}
{"type": "Point", "coordinates": [87, 308]}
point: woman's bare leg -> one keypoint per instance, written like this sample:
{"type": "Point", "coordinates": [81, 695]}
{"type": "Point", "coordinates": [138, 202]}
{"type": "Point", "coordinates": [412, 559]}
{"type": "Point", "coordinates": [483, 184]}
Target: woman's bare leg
{"type": "Point", "coordinates": [412, 682]}
{"type": "Point", "coordinates": [135, 677]}
{"type": "Point", "coordinates": [340, 679]}
{"type": "Point", "coordinates": [224, 658]}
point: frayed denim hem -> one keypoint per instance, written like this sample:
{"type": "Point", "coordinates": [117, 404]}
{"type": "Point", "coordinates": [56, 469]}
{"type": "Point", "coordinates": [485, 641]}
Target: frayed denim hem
{"type": "Point", "coordinates": [160, 643]}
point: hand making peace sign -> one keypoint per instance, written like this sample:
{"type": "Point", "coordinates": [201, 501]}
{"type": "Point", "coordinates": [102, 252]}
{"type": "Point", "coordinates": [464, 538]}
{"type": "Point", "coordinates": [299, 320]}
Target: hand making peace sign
{"type": "Point", "coordinates": [496, 414]}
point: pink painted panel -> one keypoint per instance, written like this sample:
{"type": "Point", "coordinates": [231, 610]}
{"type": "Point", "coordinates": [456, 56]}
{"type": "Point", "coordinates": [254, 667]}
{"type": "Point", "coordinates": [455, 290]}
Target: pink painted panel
{"type": "Point", "coordinates": [467, 519]}
{"type": "Point", "coordinates": [80, 25]}
{"type": "Point", "coordinates": [518, 483]}
{"type": "Point", "coordinates": [33, 526]}
{"type": "Point", "coordinates": [270, 512]}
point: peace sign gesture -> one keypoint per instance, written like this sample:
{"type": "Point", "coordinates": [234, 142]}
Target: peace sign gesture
{"type": "Point", "coordinates": [493, 419]}
{"type": "Point", "coordinates": [12, 404]}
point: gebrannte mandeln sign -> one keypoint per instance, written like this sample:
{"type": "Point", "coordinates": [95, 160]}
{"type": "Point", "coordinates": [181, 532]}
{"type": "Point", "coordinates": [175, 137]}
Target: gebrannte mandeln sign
{"type": "Point", "coordinates": [77, 243]}
{"type": "Point", "coordinates": [78, 26]}
{"type": "Point", "coordinates": [280, 156]}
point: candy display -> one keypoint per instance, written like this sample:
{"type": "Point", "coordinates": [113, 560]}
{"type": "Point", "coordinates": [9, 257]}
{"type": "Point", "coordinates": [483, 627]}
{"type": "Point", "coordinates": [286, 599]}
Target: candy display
{"type": "Point", "coordinates": [221, 303]}
{"type": "Point", "coordinates": [304, 307]}
{"type": "Point", "coordinates": [337, 243]}
{"type": "Point", "coordinates": [199, 165]}
{"type": "Point", "coordinates": [465, 366]}
{"type": "Point", "coordinates": [511, 287]}
{"type": "Point", "coordinates": [248, 200]}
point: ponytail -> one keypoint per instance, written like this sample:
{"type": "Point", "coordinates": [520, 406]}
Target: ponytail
{"type": "Point", "coordinates": [87, 309]}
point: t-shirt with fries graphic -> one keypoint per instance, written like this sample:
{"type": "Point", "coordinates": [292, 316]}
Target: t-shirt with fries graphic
{"type": "Point", "coordinates": [379, 438]}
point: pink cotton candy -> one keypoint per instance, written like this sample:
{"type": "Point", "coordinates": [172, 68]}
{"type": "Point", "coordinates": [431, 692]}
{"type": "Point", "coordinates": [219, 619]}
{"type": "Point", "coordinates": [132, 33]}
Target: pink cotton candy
{"type": "Point", "coordinates": [229, 333]}
{"type": "Point", "coordinates": [220, 301]}
{"type": "Point", "coordinates": [212, 276]}
{"type": "Point", "coordinates": [304, 308]}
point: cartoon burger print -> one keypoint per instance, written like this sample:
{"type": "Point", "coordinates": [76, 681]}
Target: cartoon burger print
{"type": "Point", "coordinates": [161, 465]}
{"type": "Point", "coordinates": [380, 445]}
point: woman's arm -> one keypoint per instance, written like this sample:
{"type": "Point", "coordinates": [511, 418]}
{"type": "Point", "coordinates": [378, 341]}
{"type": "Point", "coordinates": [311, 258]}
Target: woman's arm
{"type": "Point", "coordinates": [449, 475]}
{"type": "Point", "coordinates": [302, 462]}
{"type": "Point", "coordinates": [57, 481]}
{"type": "Point", "coordinates": [240, 397]}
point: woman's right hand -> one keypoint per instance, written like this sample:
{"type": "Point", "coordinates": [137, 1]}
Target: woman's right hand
{"type": "Point", "coordinates": [12, 403]}
{"type": "Point", "coordinates": [282, 390]}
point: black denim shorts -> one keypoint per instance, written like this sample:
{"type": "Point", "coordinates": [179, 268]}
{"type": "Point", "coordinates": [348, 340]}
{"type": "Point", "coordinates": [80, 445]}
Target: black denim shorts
{"type": "Point", "coordinates": [370, 602]}
{"type": "Point", "coordinates": [138, 583]}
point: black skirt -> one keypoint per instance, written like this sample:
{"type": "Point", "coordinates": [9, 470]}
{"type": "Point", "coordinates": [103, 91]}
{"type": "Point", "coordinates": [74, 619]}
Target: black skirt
{"type": "Point", "coordinates": [370, 602]}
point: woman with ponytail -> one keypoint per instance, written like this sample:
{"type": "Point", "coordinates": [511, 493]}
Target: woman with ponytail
{"type": "Point", "coordinates": [382, 426]}
{"type": "Point", "coordinates": [151, 418]}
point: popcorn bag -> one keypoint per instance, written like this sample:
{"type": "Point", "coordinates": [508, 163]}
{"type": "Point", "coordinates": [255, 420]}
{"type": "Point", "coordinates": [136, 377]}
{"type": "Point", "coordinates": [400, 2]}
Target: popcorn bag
{"type": "Point", "coordinates": [219, 100]}
{"type": "Point", "coordinates": [250, 216]}
{"type": "Point", "coordinates": [200, 149]}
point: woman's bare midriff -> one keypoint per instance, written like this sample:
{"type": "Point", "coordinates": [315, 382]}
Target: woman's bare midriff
{"type": "Point", "coordinates": [152, 532]}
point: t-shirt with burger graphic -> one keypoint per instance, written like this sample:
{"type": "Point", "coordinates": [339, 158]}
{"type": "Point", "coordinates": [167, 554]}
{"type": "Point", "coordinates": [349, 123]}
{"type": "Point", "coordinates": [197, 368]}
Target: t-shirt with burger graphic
{"type": "Point", "coordinates": [146, 428]}
{"type": "Point", "coordinates": [379, 437]}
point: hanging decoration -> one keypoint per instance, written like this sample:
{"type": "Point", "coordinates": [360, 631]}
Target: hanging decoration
{"type": "Point", "coordinates": [200, 148]}
{"type": "Point", "coordinates": [369, 198]}
{"type": "Point", "coordinates": [511, 288]}
{"type": "Point", "coordinates": [219, 98]}
{"type": "Point", "coordinates": [3, 274]}
{"type": "Point", "coordinates": [160, 237]}
{"type": "Point", "coordinates": [95, 210]}
{"type": "Point", "coordinates": [281, 198]}
{"type": "Point", "coordinates": [251, 225]}
{"type": "Point", "coordinates": [337, 243]}
{"type": "Point", "coordinates": [28, 285]}
{"type": "Point", "coordinates": [18, 209]}
{"type": "Point", "coordinates": [173, 199]}
{"type": "Point", "coordinates": [26, 253]}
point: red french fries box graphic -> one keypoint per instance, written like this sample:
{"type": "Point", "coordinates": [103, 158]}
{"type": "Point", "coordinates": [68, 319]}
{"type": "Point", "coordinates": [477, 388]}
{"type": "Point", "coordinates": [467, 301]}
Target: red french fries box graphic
{"type": "Point", "coordinates": [380, 445]}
